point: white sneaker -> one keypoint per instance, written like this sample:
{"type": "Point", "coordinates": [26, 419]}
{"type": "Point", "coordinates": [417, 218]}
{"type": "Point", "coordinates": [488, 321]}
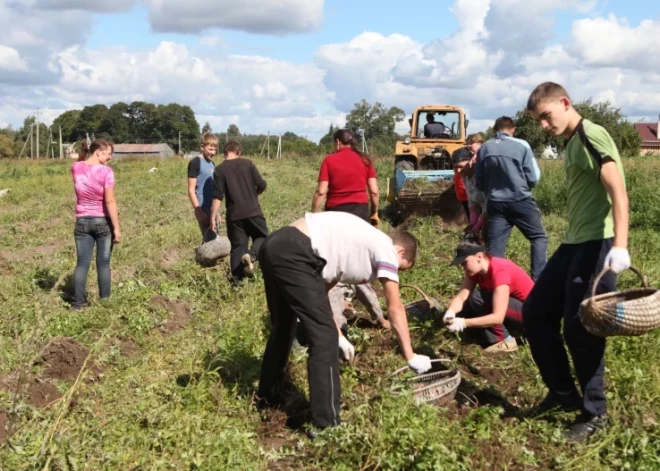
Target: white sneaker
{"type": "Point", "coordinates": [248, 265]}
{"type": "Point", "coordinates": [505, 346]}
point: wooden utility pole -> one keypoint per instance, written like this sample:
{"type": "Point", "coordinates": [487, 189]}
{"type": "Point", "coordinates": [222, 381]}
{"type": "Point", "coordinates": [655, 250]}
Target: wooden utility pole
{"type": "Point", "coordinates": [37, 115]}
{"type": "Point", "coordinates": [61, 156]}
{"type": "Point", "coordinates": [268, 141]}
{"type": "Point", "coordinates": [179, 142]}
{"type": "Point", "coordinates": [29, 138]}
{"type": "Point", "coordinates": [32, 141]}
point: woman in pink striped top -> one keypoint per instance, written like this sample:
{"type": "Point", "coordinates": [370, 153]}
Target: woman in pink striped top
{"type": "Point", "coordinates": [97, 222]}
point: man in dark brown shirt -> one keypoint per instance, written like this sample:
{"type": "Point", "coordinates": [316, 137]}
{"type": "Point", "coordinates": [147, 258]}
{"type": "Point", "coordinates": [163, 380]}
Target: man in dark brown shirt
{"type": "Point", "coordinates": [238, 182]}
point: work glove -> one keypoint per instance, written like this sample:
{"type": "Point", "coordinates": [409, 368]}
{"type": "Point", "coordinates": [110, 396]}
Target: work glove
{"type": "Point", "coordinates": [420, 363]}
{"type": "Point", "coordinates": [375, 221]}
{"type": "Point", "coordinates": [457, 324]}
{"type": "Point", "coordinates": [347, 351]}
{"type": "Point", "coordinates": [448, 317]}
{"type": "Point", "coordinates": [617, 259]}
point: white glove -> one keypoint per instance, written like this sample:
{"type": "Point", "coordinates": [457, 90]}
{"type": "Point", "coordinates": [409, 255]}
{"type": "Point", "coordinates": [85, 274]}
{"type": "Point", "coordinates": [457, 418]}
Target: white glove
{"type": "Point", "coordinates": [420, 363]}
{"type": "Point", "coordinates": [618, 259]}
{"type": "Point", "coordinates": [457, 324]}
{"type": "Point", "coordinates": [448, 317]}
{"type": "Point", "coordinates": [347, 350]}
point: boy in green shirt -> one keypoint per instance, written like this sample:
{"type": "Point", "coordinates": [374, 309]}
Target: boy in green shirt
{"type": "Point", "coordinates": [597, 237]}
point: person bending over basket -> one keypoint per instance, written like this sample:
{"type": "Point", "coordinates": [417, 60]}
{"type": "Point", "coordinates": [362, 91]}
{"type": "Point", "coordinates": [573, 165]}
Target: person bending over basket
{"type": "Point", "coordinates": [496, 306]}
{"type": "Point", "coordinates": [300, 263]}
{"type": "Point", "coordinates": [597, 237]}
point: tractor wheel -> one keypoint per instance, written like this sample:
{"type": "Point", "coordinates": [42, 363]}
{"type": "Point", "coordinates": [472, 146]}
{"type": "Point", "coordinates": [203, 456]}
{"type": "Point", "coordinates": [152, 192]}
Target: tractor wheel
{"type": "Point", "coordinates": [405, 165]}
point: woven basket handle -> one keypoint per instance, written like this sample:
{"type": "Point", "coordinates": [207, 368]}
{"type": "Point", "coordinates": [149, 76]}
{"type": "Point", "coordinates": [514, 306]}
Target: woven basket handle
{"type": "Point", "coordinates": [416, 288]}
{"type": "Point", "coordinates": [637, 271]}
{"type": "Point", "coordinates": [437, 360]}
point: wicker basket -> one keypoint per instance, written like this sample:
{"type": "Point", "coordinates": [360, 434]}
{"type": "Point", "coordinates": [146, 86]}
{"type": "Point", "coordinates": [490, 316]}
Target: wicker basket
{"type": "Point", "coordinates": [437, 387]}
{"type": "Point", "coordinates": [421, 308]}
{"type": "Point", "coordinates": [630, 312]}
{"type": "Point", "coordinates": [212, 250]}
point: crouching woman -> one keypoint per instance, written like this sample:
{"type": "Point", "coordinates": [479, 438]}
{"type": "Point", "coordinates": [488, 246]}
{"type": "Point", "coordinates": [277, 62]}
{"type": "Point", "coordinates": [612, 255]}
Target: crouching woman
{"type": "Point", "coordinates": [495, 308]}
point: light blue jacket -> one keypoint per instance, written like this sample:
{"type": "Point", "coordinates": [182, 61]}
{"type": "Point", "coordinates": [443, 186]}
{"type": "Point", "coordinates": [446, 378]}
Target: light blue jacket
{"type": "Point", "coordinates": [506, 169]}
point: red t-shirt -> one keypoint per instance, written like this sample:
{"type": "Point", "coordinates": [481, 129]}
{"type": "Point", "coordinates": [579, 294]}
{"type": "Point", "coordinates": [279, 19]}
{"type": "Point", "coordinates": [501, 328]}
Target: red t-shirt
{"type": "Point", "coordinates": [347, 177]}
{"type": "Point", "coordinates": [459, 187]}
{"type": "Point", "coordinates": [504, 272]}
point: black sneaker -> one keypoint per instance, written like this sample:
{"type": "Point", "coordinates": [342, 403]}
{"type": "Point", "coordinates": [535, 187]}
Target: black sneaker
{"type": "Point", "coordinates": [556, 402]}
{"type": "Point", "coordinates": [584, 427]}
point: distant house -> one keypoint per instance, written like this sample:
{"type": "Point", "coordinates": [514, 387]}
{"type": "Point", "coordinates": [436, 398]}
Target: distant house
{"type": "Point", "coordinates": [650, 133]}
{"type": "Point", "coordinates": [162, 151]}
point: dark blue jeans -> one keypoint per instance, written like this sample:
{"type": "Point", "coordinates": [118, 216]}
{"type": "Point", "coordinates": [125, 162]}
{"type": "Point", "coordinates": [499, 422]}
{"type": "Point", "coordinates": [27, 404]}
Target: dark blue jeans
{"type": "Point", "coordinates": [526, 216]}
{"type": "Point", "coordinates": [556, 296]}
{"type": "Point", "coordinates": [89, 232]}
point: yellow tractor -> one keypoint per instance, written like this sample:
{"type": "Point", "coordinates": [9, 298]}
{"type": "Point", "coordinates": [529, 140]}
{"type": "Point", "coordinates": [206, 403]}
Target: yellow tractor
{"type": "Point", "coordinates": [423, 174]}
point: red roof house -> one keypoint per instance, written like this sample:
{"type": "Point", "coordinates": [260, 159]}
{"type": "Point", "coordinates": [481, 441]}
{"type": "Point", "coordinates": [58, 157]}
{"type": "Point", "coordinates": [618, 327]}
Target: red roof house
{"type": "Point", "coordinates": [650, 133]}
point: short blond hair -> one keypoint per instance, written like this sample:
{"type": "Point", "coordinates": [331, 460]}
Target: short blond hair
{"type": "Point", "coordinates": [475, 138]}
{"type": "Point", "coordinates": [209, 138]}
{"type": "Point", "coordinates": [544, 92]}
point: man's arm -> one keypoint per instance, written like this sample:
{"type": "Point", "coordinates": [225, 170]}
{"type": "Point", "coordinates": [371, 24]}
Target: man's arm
{"type": "Point", "coordinates": [319, 196]}
{"type": "Point", "coordinates": [397, 315]}
{"type": "Point", "coordinates": [530, 167]}
{"type": "Point", "coordinates": [613, 182]}
{"type": "Point", "coordinates": [456, 304]}
{"type": "Point", "coordinates": [478, 171]}
{"type": "Point", "coordinates": [218, 196]}
{"type": "Point", "coordinates": [259, 182]}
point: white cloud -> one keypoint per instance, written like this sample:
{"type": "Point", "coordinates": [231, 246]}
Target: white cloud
{"type": "Point", "coordinates": [10, 59]}
{"type": "Point", "coordinates": [255, 16]}
{"type": "Point", "coordinates": [96, 6]}
{"type": "Point", "coordinates": [612, 42]}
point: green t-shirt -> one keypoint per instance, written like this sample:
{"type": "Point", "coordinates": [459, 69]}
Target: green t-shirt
{"type": "Point", "coordinates": [589, 205]}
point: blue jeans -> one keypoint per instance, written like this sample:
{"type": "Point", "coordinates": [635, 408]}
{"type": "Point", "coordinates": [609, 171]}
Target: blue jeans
{"type": "Point", "coordinates": [88, 232]}
{"type": "Point", "coordinates": [526, 216]}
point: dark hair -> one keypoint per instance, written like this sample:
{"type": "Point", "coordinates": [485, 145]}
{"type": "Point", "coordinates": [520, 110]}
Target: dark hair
{"type": "Point", "coordinates": [87, 150]}
{"type": "Point", "coordinates": [471, 246]}
{"type": "Point", "coordinates": [503, 122]}
{"type": "Point", "coordinates": [408, 242]}
{"type": "Point", "coordinates": [461, 154]}
{"type": "Point", "coordinates": [545, 91]}
{"type": "Point", "coordinates": [346, 138]}
{"type": "Point", "coordinates": [232, 146]}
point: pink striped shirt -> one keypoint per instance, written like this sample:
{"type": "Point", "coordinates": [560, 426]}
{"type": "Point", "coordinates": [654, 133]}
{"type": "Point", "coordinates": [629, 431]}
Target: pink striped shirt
{"type": "Point", "coordinates": [90, 182]}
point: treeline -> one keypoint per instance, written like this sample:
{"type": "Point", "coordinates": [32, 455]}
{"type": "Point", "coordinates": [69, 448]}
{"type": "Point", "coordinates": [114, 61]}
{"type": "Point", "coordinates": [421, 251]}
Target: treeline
{"type": "Point", "coordinates": [141, 122]}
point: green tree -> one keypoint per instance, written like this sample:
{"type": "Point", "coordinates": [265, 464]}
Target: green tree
{"type": "Point", "coordinates": [115, 126]}
{"type": "Point", "coordinates": [6, 147]}
{"type": "Point", "coordinates": [376, 120]}
{"type": "Point", "coordinates": [206, 128]}
{"type": "Point", "coordinates": [233, 132]}
{"type": "Point", "coordinates": [174, 120]}
{"type": "Point", "coordinates": [68, 121]}
{"type": "Point", "coordinates": [623, 132]}
{"type": "Point", "coordinates": [90, 121]}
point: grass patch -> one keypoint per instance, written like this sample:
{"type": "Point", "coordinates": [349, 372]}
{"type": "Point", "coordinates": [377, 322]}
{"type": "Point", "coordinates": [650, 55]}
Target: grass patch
{"type": "Point", "coordinates": [181, 398]}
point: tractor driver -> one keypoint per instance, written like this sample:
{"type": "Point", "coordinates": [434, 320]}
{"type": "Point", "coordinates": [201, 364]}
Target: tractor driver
{"type": "Point", "coordinates": [433, 129]}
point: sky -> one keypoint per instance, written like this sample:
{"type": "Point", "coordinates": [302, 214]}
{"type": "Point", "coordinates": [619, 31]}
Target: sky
{"type": "Point", "coordinates": [301, 65]}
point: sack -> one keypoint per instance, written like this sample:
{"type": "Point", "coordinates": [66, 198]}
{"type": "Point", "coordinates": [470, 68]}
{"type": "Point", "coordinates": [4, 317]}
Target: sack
{"type": "Point", "coordinates": [213, 250]}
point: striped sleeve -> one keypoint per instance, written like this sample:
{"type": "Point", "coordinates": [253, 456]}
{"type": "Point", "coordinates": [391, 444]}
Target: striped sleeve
{"type": "Point", "coordinates": [387, 264]}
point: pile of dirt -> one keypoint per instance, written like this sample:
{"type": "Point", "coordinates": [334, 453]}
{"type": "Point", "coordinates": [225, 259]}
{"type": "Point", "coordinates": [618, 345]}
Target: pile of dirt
{"type": "Point", "coordinates": [128, 347]}
{"type": "Point", "coordinates": [181, 315]}
{"type": "Point", "coordinates": [37, 392]}
{"type": "Point", "coordinates": [63, 358]}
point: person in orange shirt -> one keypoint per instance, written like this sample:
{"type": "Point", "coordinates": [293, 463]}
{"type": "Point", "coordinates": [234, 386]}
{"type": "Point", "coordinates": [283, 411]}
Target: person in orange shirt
{"type": "Point", "coordinates": [459, 186]}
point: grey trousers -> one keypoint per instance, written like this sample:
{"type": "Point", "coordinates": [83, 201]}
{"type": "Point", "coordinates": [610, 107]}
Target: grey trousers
{"type": "Point", "coordinates": [364, 293]}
